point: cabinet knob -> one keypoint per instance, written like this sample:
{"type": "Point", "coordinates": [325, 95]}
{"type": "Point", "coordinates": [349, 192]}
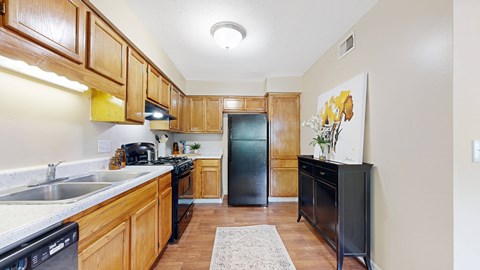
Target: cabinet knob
{"type": "Point", "coordinates": [304, 167]}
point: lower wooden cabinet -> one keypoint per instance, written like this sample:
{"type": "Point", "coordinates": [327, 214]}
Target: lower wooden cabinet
{"type": "Point", "coordinates": [165, 210]}
{"type": "Point", "coordinates": [109, 252]}
{"type": "Point", "coordinates": [283, 178]}
{"type": "Point", "coordinates": [144, 232]}
{"type": "Point", "coordinates": [127, 231]}
{"type": "Point", "coordinates": [208, 182]}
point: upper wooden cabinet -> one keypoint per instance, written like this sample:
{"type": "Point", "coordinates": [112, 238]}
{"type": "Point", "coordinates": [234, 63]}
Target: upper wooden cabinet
{"type": "Point", "coordinates": [183, 113]}
{"type": "Point", "coordinates": [136, 87]}
{"type": "Point", "coordinates": [175, 108]}
{"type": "Point", "coordinates": [214, 115]}
{"type": "Point", "coordinates": [106, 50]}
{"type": "Point", "coordinates": [244, 104]}
{"type": "Point", "coordinates": [56, 25]}
{"type": "Point", "coordinates": [205, 114]}
{"type": "Point", "coordinates": [284, 124]}
{"type": "Point", "coordinates": [158, 88]}
{"type": "Point", "coordinates": [196, 114]}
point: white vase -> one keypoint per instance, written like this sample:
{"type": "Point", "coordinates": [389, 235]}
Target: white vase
{"type": "Point", "coordinates": [316, 151]}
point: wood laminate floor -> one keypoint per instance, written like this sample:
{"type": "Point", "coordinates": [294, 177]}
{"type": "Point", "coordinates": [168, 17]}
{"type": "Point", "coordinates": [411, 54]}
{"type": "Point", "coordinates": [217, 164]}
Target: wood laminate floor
{"type": "Point", "coordinates": [194, 249]}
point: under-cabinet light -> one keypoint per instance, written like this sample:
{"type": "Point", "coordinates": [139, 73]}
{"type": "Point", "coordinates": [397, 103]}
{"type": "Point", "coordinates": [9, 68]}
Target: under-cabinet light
{"type": "Point", "coordinates": [36, 72]}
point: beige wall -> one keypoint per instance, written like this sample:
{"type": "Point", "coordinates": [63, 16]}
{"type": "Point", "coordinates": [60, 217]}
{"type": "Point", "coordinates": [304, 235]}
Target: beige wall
{"type": "Point", "coordinates": [120, 14]}
{"type": "Point", "coordinates": [41, 124]}
{"type": "Point", "coordinates": [406, 47]}
{"type": "Point", "coordinates": [284, 84]}
{"type": "Point", "coordinates": [466, 126]}
{"type": "Point", "coordinates": [237, 88]}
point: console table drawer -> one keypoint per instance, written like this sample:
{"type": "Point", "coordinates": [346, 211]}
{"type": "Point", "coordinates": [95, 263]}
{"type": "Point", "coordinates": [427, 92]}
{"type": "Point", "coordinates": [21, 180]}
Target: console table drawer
{"type": "Point", "coordinates": [326, 174]}
{"type": "Point", "coordinates": [305, 167]}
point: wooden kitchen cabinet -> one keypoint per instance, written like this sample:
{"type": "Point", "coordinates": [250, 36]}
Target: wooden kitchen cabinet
{"type": "Point", "coordinates": [284, 143]}
{"type": "Point", "coordinates": [109, 252]}
{"type": "Point", "coordinates": [183, 113]}
{"type": "Point", "coordinates": [244, 104]}
{"type": "Point", "coordinates": [205, 114]}
{"type": "Point", "coordinates": [164, 209]}
{"type": "Point", "coordinates": [121, 232]}
{"type": "Point", "coordinates": [56, 25]}
{"type": "Point", "coordinates": [174, 108]}
{"type": "Point", "coordinates": [106, 50]}
{"type": "Point", "coordinates": [158, 88]}
{"type": "Point", "coordinates": [136, 87]}
{"type": "Point", "coordinates": [208, 179]}
{"type": "Point", "coordinates": [144, 236]}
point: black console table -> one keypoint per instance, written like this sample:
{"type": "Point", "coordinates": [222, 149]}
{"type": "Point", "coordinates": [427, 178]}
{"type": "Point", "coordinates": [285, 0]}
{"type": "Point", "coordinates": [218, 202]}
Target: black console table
{"type": "Point", "coordinates": [335, 199]}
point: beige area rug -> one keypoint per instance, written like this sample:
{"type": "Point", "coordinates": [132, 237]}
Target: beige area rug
{"type": "Point", "coordinates": [251, 247]}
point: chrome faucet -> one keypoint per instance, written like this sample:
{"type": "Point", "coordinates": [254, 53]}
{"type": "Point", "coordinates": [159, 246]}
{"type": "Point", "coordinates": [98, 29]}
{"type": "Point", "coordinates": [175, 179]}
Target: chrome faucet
{"type": "Point", "coordinates": [51, 169]}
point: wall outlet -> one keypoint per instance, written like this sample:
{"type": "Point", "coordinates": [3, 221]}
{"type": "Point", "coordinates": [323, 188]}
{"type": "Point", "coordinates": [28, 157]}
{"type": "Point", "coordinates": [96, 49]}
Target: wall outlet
{"type": "Point", "coordinates": [104, 146]}
{"type": "Point", "coordinates": [476, 151]}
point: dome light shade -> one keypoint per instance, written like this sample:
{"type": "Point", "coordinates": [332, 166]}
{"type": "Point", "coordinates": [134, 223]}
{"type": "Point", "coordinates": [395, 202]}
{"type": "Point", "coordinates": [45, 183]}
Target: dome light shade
{"type": "Point", "coordinates": [228, 34]}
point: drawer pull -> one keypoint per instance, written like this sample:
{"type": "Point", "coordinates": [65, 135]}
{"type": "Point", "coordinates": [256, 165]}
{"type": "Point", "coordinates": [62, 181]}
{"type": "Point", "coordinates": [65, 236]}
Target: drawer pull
{"type": "Point", "coordinates": [304, 167]}
{"type": "Point", "coordinates": [322, 173]}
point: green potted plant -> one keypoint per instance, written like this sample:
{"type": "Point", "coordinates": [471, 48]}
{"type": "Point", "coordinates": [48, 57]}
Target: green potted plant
{"type": "Point", "coordinates": [195, 147]}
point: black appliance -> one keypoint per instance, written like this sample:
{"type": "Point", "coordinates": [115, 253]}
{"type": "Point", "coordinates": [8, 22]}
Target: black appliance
{"type": "Point", "coordinates": [247, 159]}
{"type": "Point", "coordinates": [182, 183]}
{"type": "Point", "coordinates": [55, 250]}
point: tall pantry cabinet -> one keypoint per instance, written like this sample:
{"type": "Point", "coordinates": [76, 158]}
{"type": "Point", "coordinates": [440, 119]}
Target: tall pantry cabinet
{"type": "Point", "coordinates": [284, 143]}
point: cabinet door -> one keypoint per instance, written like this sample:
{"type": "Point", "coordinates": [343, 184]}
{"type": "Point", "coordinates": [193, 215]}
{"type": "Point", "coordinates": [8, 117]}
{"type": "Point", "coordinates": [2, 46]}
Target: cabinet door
{"type": "Point", "coordinates": [107, 51]}
{"type": "Point", "coordinates": [164, 93]}
{"type": "Point", "coordinates": [233, 104]}
{"type": "Point", "coordinates": [197, 114]}
{"type": "Point", "coordinates": [305, 196]}
{"type": "Point", "coordinates": [181, 113]}
{"type": "Point", "coordinates": [144, 233]}
{"type": "Point", "coordinates": [174, 107]}
{"type": "Point", "coordinates": [57, 25]}
{"type": "Point", "coordinates": [214, 113]}
{"type": "Point", "coordinates": [283, 182]}
{"type": "Point", "coordinates": [109, 252]}
{"type": "Point", "coordinates": [257, 104]}
{"type": "Point", "coordinates": [284, 115]}
{"type": "Point", "coordinates": [154, 84]}
{"type": "Point", "coordinates": [165, 214]}
{"type": "Point", "coordinates": [210, 182]}
{"type": "Point", "coordinates": [326, 210]}
{"type": "Point", "coordinates": [136, 86]}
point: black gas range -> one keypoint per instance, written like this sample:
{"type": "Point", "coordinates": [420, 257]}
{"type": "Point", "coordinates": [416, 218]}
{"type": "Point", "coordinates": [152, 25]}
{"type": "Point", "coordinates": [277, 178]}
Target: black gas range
{"type": "Point", "coordinates": [142, 154]}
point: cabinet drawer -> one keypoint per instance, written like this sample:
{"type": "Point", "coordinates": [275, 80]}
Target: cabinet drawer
{"type": "Point", "coordinates": [305, 167]}
{"type": "Point", "coordinates": [210, 162]}
{"type": "Point", "coordinates": [164, 182]}
{"type": "Point", "coordinates": [325, 174]}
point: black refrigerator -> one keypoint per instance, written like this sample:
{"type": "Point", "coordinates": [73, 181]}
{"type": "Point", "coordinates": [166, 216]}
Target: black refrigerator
{"type": "Point", "coordinates": [247, 159]}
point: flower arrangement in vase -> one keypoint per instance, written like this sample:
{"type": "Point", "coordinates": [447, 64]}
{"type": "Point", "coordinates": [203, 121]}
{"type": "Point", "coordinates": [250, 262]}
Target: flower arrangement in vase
{"type": "Point", "coordinates": [323, 137]}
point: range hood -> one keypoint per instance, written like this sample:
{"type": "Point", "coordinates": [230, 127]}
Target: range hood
{"type": "Point", "coordinates": [155, 112]}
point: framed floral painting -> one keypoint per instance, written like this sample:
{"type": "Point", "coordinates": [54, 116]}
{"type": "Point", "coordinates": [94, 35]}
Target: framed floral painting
{"type": "Point", "coordinates": [341, 114]}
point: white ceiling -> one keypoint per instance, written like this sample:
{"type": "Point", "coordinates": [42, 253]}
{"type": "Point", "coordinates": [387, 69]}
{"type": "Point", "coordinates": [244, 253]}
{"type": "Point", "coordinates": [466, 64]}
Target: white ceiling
{"type": "Point", "coordinates": [284, 37]}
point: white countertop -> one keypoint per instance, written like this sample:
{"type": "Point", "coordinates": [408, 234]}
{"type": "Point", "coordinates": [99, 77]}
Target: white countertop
{"type": "Point", "coordinates": [20, 221]}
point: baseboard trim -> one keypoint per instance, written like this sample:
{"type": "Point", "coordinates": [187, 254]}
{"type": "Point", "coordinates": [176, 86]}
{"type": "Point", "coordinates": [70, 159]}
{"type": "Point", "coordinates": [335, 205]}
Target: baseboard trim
{"type": "Point", "coordinates": [282, 199]}
{"type": "Point", "coordinates": [208, 201]}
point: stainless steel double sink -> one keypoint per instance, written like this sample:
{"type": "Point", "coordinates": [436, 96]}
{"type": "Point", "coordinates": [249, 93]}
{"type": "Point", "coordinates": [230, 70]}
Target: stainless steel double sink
{"type": "Point", "coordinates": [69, 190]}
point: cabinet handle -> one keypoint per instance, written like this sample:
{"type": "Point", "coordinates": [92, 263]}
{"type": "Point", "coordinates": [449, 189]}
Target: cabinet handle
{"type": "Point", "coordinates": [322, 173]}
{"type": "Point", "coordinates": [304, 167]}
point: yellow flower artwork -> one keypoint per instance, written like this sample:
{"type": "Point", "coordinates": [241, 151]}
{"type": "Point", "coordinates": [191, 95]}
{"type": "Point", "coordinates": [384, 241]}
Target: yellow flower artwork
{"type": "Point", "coordinates": [336, 110]}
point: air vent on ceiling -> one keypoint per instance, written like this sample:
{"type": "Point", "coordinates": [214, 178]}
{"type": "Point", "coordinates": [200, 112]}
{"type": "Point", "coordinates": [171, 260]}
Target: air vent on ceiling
{"type": "Point", "coordinates": [346, 46]}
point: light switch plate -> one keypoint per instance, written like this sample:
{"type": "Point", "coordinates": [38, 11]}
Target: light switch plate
{"type": "Point", "coordinates": [476, 151]}
{"type": "Point", "coordinates": [104, 146]}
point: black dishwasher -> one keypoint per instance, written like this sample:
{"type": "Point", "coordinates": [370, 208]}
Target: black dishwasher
{"type": "Point", "coordinates": [54, 250]}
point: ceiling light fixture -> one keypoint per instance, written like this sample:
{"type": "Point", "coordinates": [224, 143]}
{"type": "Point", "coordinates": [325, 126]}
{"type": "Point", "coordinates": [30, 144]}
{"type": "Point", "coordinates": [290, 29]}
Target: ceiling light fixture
{"type": "Point", "coordinates": [36, 72]}
{"type": "Point", "coordinates": [228, 34]}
